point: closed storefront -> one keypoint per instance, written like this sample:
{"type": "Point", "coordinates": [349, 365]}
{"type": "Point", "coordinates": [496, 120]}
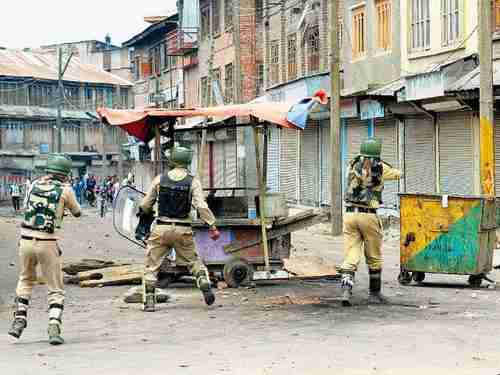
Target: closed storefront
{"type": "Point", "coordinates": [289, 156]}
{"type": "Point", "coordinates": [324, 160]}
{"type": "Point", "coordinates": [456, 153]}
{"type": "Point", "coordinates": [224, 159]}
{"type": "Point", "coordinates": [309, 164]}
{"type": "Point", "coordinates": [419, 155]}
{"type": "Point", "coordinates": [273, 159]}
{"type": "Point", "coordinates": [387, 131]}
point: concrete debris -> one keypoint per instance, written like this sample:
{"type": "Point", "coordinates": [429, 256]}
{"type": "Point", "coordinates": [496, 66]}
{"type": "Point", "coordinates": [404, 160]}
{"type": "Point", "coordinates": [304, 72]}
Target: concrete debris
{"type": "Point", "coordinates": [134, 295]}
{"type": "Point", "coordinates": [290, 300]}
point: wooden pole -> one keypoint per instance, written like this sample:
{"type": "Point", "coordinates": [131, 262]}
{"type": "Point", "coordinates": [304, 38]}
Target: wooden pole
{"type": "Point", "coordinates": [335, 157]}
{"type": "Point", "coordinates": [262, 192]}
{"type": "Point", "coordinates": [157, 150]}
{"type": "Point", "coordinates": [487, 145]}
{"type": "Point", "coordinates": [202, 157]}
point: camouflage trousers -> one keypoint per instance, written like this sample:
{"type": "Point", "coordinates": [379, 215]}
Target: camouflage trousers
{"type": "Point", "coordinates": [45, 253]}
{"type": "Point", "coordinates": [163, 238]}
{"type": "Point", "coordinates": [362, 234]}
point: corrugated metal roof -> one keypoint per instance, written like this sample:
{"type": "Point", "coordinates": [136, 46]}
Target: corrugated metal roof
{"type": "Point", "coordinates": [18, 111]}
{"type": "Point", "coordinates": [15, 63]}
{"type": "Point", "coordinates": [471, 80]}
{"type": "Point", "coordinates": [388, 89]}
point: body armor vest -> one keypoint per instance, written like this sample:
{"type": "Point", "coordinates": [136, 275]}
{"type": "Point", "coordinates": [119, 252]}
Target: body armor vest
{"type": "Point", "coordinates": [42, 204]}
{"type": "Point", "coordinates": [365, 189]}
{"type": "Point", "coordinates": [175, 197]}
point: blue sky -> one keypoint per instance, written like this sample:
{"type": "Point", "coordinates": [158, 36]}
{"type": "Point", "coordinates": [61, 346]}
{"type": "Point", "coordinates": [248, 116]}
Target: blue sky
{"type": "Point", "coordinates": [31, 23]}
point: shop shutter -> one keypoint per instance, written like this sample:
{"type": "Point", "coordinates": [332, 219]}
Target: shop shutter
{"type": "Point", "coordinates": [273, 159]}
{"type": "Point", "coordinates": [497, 153]}
{"type": "Point", "coordinates": [386, 131]}
{"type": "Point", "coordinates": [455, 153]}
{"type": "Point", "coordinates": [420, 166]}
{"type": "Point", "coordinates": [289, 155]}
{"type": "Point", "coordinates": [325, 162]}
{"type": "Point", "coordinates": [309, 164]}
{"type": "Point", "coordinates": [230, 158]}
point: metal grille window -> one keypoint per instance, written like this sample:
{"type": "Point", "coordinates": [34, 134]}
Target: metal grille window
{"type": "Point", "coordinates": [450, 22]}
{"type": "Point", "coordinates": [274, 68]}
{"type": "Point", "coordinates": [124, 97]}
{"type": "Point", "coordinates": [216, 17]}
{"type": "Point", "coordinates": [260, 78]}
{"type": "Point", "coordinates": [420, 25]}
{"type": "Point", "coordinates": [292, 56]}
{"type": "Point", "coordinates": [359, 31]}
{"type": "Point", "coordinates": [383, 24]}
{"type": "Point", "coordinates": [205, 23]}
{"type": "Point", "coordinates": [106, 61]}
{"type": "Point", "coordinates": [313, 49]}
{"type": "Point", "coordinates": [205, 92]}
{"type": "Point", "coordinates": [229, 83]}
{"type": "Point", "coordinates": [228, 14]}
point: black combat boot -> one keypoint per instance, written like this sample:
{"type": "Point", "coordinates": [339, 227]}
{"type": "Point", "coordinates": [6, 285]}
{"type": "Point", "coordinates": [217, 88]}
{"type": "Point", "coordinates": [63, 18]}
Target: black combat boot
{"type": "Point", "coordinates": [347, 282]}
{"type": "Point", "coordinates": [204, 284]}
{"type": "Point", "coordinates": [376, 296]}
{"type": "Point", "coordinates": [20, 321]}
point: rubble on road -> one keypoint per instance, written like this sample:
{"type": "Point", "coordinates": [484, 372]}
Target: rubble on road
{"type": "Point", "coordinates": [134, 295]}
{"type": "Point", "coordinates": [290, 300]}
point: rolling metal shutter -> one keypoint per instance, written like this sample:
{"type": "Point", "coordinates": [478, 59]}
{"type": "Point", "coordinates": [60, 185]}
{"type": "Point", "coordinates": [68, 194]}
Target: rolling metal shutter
{"type": "Point", "coordinates": [309, 164]}
{"type": "Point", "coordinates": [273, 159]}
{"type": "Point", "coordinates": [289, 155]}
{"type": "Point", "coordinates": [386, 131]}
{"type": "Point", "coordinates": [456, 153]}
{"type": "Point", "coordinates": [420, 166]}
{"type": "Point", "coordinates": [325, 162]}
{"type": "Point", "coordinates": [225, 162]}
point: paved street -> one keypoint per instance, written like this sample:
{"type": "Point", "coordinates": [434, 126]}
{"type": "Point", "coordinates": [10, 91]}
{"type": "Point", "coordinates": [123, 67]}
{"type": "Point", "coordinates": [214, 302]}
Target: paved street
{"type": "Point", "coordinates": [444, 327]}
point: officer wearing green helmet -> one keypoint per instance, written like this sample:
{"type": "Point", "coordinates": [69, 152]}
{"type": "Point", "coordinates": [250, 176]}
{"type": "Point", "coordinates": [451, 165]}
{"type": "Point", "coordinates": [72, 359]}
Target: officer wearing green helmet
{"type": "Point", "coordinates": [47, 199]}
{"type": "Point", "coordinates": [176, 192]}
{"type": "Point", "coordinates": [366, 175]}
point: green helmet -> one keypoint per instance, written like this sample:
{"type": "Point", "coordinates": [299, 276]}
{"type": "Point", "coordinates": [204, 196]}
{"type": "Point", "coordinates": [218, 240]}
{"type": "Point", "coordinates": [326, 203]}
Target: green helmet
{"type": "Point", "coordinates": [59, 164]}
{"type": "Point", "coordinates": [371, 148]}
{"type": "Point", "coordinates": [179, 156]}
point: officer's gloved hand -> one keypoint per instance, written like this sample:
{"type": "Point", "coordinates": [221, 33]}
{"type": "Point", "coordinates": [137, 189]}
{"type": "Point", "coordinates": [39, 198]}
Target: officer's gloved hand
{"type": "Point", "coordinates": [214, 233]}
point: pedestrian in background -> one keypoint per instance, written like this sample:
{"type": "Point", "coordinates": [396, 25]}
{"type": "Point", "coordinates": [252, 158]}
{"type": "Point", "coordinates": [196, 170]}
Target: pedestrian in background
{"type": "Point", "coordinates": [27, 188]}
{"type": "Point", "coordinates": [15, 193]}
{"type": "Point", "coordinates": [78, 189]}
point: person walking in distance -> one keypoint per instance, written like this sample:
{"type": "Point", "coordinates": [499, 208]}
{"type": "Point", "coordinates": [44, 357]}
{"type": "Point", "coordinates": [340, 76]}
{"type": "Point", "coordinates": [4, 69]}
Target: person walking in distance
{"type": "Point", "coordinates": [363, 232]}
{"type": "Point", "coordinates": [176, 192]}
{"type": "Point", "coordinates": [48, 198]}
{"type": "Point", "coordinates": [15, 194]}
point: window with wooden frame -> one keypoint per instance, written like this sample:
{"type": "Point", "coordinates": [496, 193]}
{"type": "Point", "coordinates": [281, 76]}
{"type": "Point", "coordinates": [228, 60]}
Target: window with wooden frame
{"type": "Point", "coordinates": [496, 15]}
{"type": "Point", "coordinates": [228, 14]}
{"type": "Point", "coordinates": [359, 32]}
{"type": "Point", "coordinates": [420, 32]}
{"type": "Point", "coordinates": [216, 77]}
{"type": "Point", "coordinates": [205, 23]}
{"type": "Point", "coordinates": [229, 83]}
{"type": "Point", "coordinates": [384, 30]}
{"type": "Point", "coordinates": [216, 18]}
{"type": "Point", "coordinates": [155, 58]}
{"type": "Point", "coordinates": [274, 68]}
{"type": "Point", "coordinates": [292, 56]}
{"type": "Point", "coordinates": [450, 22]}
{"type": "Point", "coordinates": [313, 49]}
{"type": "Point", "coordinates": [138, 67]}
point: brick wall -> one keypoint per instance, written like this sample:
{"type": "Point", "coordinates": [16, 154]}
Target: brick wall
{"type": "Point", "coordinates": [247, 50]}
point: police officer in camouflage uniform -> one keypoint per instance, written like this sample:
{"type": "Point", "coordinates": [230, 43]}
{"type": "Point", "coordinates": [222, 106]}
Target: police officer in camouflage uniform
{"type": "Point", "coordinates": [47, 199]}
{"type": "Point", "coordinates": [176, 192]}
{"type": "Point", "coordinates": [362, 227]}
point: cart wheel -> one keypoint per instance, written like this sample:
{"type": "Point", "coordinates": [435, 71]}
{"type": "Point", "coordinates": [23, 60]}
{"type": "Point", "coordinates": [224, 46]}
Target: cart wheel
{"type": "Point", "coordinates": [236, 272]}
{"type": "Point", "coordinates": [475, 280]}
{"type": "Point", "coordinates": [418, 277]}
{"type": "Point", "coordinates": [404, 278]}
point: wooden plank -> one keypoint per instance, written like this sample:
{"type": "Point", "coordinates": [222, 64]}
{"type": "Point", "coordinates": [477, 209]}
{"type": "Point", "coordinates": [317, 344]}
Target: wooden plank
{"type": "Point", "coordinates": [130, 274]}
{"type": "Point", "coordinates": [309, 266]}
{"type": "Point", "coordinates": [72, 268]}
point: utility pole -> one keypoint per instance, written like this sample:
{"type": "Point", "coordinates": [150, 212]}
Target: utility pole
{"type": "Point", "coordinates": [60, 94]}
{"type": "Point", "coordinates": [335, 159]}
{"type": "Point", "coordinates": [487, 145]}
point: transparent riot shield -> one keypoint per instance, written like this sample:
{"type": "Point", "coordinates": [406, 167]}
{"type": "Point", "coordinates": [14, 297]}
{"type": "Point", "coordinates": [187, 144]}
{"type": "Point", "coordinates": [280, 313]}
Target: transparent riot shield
{"type": "Point", "coordinates": [126, 207]}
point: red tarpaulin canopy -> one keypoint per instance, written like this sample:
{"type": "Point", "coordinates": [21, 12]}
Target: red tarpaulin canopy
{"type": "Point", "coordinates": [140, 123]}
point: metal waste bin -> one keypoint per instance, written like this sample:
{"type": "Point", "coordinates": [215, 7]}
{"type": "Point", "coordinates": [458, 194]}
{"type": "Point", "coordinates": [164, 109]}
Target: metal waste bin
{"type": "Point", "coordinates": [446, 234]}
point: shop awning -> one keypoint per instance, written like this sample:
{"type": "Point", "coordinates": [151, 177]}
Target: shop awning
{"type": "Point", "coordinates": [140, 123]}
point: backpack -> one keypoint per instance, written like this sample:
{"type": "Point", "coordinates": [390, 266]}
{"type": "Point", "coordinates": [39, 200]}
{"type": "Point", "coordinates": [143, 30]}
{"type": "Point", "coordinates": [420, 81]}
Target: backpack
{"type": "Point", "coordinates": [41, 205]}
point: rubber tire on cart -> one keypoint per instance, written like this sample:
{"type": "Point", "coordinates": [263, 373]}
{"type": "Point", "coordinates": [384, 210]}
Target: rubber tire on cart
{"type": "Point", "coordinates": [237, 272]}
{"type": "Point", "coordinates": [404, 278]}
{"type": "Point", "coordinates": [418, 277]}
{"type": "Point", "coordinates": [475, 280]}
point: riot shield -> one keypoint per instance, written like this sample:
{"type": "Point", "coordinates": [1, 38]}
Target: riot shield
{"type": "Point", "coordinates": [125, 209]}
